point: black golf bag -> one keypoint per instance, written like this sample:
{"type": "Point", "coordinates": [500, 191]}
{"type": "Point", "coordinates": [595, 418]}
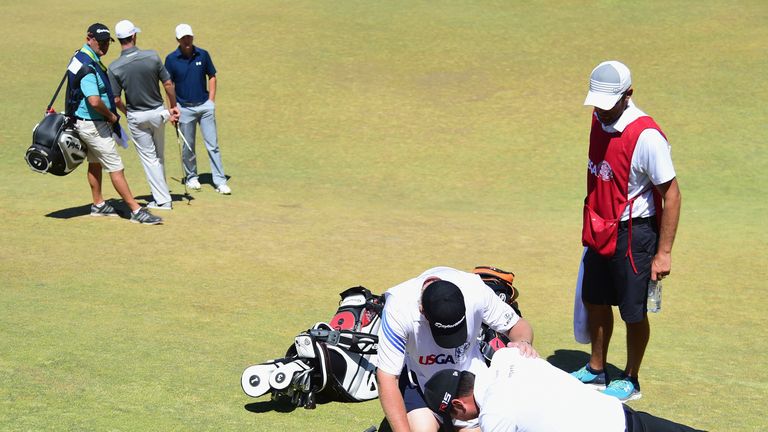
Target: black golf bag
{"type": "Point", "coordinates": [500, 282]}
{"type": "Point", "coordinates": [332, 361]}
{"type": "Point", "coordinates": [56, 148]}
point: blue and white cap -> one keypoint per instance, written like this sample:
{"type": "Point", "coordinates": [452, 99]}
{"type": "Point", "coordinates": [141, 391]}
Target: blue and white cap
{"type": "Point", "coordinates": [608, 81]}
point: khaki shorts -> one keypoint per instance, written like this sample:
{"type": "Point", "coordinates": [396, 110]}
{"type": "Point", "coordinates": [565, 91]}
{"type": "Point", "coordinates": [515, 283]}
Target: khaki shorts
{"type": "Point", "coordinates": [97, 137]}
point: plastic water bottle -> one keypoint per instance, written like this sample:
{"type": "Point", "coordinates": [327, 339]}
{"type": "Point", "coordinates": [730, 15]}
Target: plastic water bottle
{"type": "Point", "coordinates": [654, 296]}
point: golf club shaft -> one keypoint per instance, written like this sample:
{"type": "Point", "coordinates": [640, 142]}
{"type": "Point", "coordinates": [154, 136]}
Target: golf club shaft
{"type": "Point", "coordinates": [186, 143]}
{"type": "Point", "coordinates": [181, 161]}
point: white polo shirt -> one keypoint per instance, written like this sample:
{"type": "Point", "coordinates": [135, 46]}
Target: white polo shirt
{"type": "Point", "coordinates": [651, 163]}
{"type": "Point", "coordinates": [405, 337]}
{"type": "Point", "coordinates": [530, 395]}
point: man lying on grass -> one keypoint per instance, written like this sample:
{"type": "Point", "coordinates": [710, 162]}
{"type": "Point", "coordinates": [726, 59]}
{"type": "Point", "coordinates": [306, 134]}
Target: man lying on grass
{"type": "Point", "coordinates": [528, 394]}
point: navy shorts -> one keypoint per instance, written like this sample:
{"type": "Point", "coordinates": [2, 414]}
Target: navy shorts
{"type": "Point", "coordinates": [412, 394]}
{"type": "Point", "coordinates": [612, 281]}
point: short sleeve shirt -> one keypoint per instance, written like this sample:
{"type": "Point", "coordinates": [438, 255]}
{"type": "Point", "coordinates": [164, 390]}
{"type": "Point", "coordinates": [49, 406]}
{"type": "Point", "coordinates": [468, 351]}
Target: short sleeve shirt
{"type": "Point", "coordinates": [651, 163]}
{"type": "Point", "coordinates": [190, 75]}
{"type": "Point", "coordinates": [530, 395]}
{"type": "Point", "coordinates": [405, 337]}
{"type": "Point", "coordinates": [92, 85]}
{"type": "Point", "coordinates": [138, 73]}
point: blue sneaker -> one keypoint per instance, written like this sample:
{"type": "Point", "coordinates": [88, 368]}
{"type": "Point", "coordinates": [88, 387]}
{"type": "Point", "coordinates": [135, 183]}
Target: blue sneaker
{"type": "Point", "coordinates": [624, 389]}
{"type": "Point", "coordinates": [588, 377]}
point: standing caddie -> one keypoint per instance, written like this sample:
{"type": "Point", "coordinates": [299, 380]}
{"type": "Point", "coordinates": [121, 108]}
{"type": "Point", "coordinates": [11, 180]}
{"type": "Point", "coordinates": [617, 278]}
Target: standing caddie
{"type": "Point", "coordinates": [631, 214]}
{"type": "Point", "coordinates": [192, 71]}
{"type": "Point", "coordinates": [137, 73]}
{"type": "Point", "coordinates": [90, 102]}
{"type": "Point", "coordinates": [431, 323]}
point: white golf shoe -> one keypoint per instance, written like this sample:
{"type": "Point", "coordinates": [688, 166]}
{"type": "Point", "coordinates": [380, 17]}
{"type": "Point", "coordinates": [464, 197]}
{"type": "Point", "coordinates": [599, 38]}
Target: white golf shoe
{"type": "Point", "coordinates": [224, 190]}
{"type": "Point", "coordinates": [193, 183]}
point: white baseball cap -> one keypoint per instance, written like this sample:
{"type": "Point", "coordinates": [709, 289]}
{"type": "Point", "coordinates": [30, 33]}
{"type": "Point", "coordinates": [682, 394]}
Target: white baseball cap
{"type": "Point", "coordinates": [183, 30]}
{"type": "Point", "coordinates": [125, 29]}
{"type": "Point", "coordinates": [608, 81]}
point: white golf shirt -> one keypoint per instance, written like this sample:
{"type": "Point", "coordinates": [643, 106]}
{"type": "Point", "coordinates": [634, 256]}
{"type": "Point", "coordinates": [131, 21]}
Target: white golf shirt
{"type": "Point", "coordinates": [524, 394]}
{"type": "Point", "coordinates": [651, 163]}
{"type": "Point", "coordinates": [405, 337]}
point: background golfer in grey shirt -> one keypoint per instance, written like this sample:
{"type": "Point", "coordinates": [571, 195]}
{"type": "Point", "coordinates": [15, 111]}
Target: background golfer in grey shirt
{"type": "Point", "coordinates": [137, 73]}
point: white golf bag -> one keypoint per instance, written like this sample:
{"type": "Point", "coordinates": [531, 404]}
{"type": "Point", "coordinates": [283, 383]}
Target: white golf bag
{"type": "Point", "coordinates": [332, 360]}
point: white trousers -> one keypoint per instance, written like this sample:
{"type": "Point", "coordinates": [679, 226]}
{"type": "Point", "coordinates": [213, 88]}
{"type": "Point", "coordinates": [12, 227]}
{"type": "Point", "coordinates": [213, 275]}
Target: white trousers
{"type": "Point", "coordinates": [148, 133]}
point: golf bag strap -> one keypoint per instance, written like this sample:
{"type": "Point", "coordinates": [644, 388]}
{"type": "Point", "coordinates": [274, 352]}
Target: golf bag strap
{"type": "Point", "coordinates": [56, 93]}
{"type": "Point", "coordinates": [356, 342]}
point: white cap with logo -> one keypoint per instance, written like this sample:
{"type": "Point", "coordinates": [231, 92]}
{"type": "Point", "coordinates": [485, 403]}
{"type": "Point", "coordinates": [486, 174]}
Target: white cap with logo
{"type": "Point", "coordinates": [608, 81]}
{"type": "Point", "coordinates": [125, 29]}
{"type": "Point", "coordinates": [183, 30]}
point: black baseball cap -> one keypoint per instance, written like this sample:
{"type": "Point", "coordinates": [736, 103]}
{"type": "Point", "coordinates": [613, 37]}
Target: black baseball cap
{"type": "Point", "coordinates": [100, 32]}
{"type": "Point", "coordinates": [443, 306]}
{"type": "Point", "coordinates": [440, 390]}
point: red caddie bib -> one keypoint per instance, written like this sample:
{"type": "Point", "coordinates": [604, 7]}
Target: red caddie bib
{"type": "Point", "coordinates": [610, 160]}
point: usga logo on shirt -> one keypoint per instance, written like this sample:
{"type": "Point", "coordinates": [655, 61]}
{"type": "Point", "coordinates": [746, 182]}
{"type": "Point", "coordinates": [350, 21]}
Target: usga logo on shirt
{"type": "Point", "coordinates": [431, 359]}
{"type": "Point", "coordinates": [436, 359]}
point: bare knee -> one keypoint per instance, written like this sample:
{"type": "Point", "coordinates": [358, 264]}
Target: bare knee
{"type": "Point", "coordinates": [422, 420]}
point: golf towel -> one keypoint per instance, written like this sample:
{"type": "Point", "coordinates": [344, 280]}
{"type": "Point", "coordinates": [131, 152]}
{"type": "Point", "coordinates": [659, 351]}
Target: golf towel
{"type": "Point", "coordinates": [580, 326]}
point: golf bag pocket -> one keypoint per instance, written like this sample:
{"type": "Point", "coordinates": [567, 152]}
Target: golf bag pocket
{"type": "Point", "coordinates": [598, 233]}
{"type": "Point", "coordinates": [304, 346]}
{"type": "Point", "coordinates": [56, 147]}
{"type": "Point", "coordinates": [358, 310]}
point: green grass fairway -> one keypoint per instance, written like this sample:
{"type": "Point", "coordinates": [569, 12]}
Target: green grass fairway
{"type": "Point", "coordinates": [367, 141]}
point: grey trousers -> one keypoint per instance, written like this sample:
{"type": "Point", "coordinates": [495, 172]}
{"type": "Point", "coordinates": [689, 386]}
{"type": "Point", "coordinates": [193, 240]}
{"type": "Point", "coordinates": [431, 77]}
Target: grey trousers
{"type": "Point", "coordinates": [204, 114]}
{"type": "Point", "coordinates": [148, 133]}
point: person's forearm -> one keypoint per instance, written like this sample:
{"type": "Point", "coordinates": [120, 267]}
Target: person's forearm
{"type": "Point", "coordinates": [170, 91]}
{"type": "Point", "coordinates": [212, 88]}
{"type": "Point", "coordinates": [661, 266]}
{"type": "Point", "coordinates": [392, 402]}
{"type": "Point", "coordinates": [97, 104]}
{"type": "Point", "coordinates": [670, 217]}
{"type": "Point", "coordinates": [120, 105]}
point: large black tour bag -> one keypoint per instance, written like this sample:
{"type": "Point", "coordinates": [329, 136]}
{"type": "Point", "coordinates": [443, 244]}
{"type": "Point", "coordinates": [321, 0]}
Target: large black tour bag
{"type": "Point", "coordinates": [56, 148]}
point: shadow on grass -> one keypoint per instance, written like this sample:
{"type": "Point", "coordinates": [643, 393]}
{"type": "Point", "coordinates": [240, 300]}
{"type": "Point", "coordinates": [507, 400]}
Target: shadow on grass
{"type": "Point", "coordinates": [279, 405]}
{"type": "Point", "coordinates": [122, 209]}
{"type": "Point", "coordinates": [68, 213]}
{"type": "Point", "coordinates": [267, 406]}
{"type": "Point", "coordinates": [207, 178]}
{"type": "Point", "coordinates": [571, 360]}
{"type": "Point", "coordinates": [174, 198]}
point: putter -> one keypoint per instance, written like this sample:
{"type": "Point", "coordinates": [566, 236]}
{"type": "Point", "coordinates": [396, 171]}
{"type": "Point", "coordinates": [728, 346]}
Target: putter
{"type": "Point", "coordinates": [181, 161]}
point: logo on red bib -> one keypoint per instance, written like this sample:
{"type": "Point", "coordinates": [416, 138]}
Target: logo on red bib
{"type": "Point", "coordinates": [601, 170]}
